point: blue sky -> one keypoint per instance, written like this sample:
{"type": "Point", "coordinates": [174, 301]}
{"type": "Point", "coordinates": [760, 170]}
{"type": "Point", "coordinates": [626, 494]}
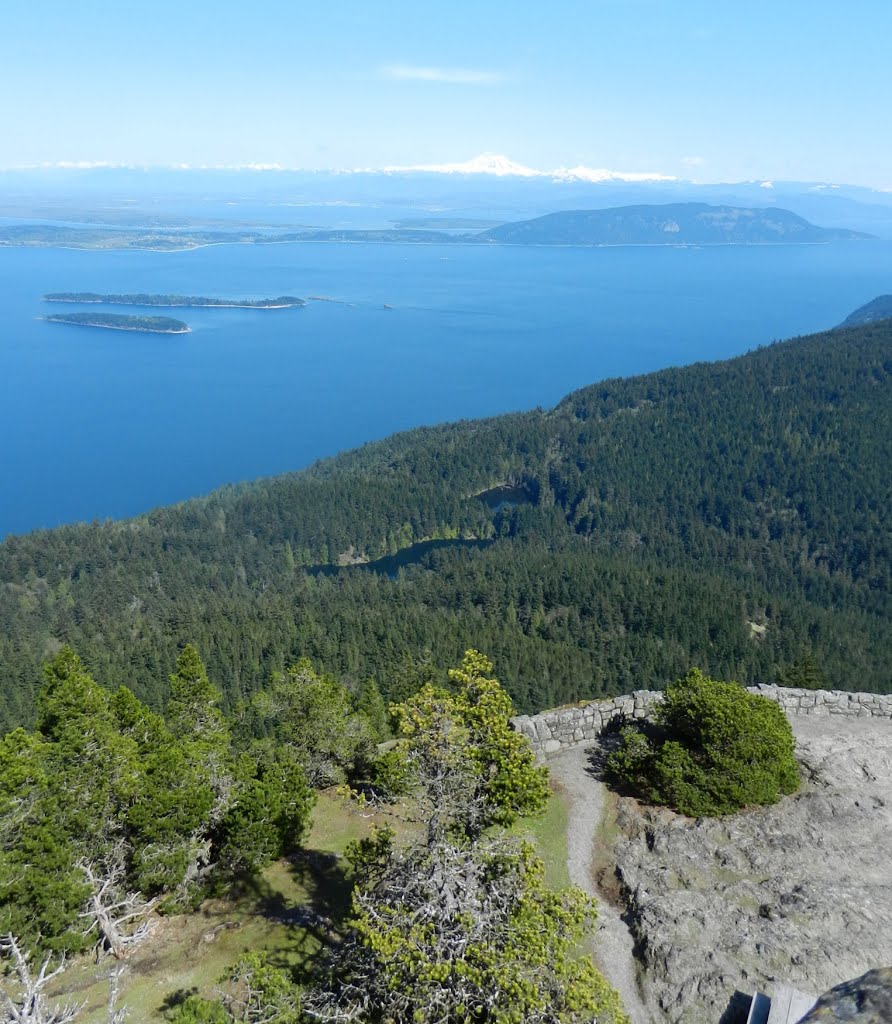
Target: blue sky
{"type": "Point", "coordinates": [716, 91]}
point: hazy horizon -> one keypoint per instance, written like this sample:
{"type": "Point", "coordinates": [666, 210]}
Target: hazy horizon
{"type": "Point", "coordinates": [752, 93]}
{"type": "Point", "coordinates": [474, 168]}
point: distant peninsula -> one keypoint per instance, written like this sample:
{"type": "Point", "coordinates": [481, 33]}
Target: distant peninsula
{"type": "Point", "coordinates": [119, 322]}
{"type": "Point", "coordinates": [879, 308]}
{"type": "Point", "coordinates": [175, 301]}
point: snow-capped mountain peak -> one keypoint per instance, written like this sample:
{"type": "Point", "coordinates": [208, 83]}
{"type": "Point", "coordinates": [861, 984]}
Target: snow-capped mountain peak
{"type": "Point", "coordinates": [485, 163]}
{"type": "Point", "coordinates": [502, 167]}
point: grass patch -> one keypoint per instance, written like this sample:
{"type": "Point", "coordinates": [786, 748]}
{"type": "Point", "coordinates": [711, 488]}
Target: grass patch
{"type": "Point", "coordinates": [191, 953]}
{"type": "Point", "coordinates": [548, 832]}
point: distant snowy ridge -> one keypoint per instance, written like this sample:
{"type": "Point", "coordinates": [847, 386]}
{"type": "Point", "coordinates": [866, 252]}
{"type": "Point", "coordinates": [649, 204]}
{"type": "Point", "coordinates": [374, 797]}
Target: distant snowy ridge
{"type": "Point", "coordinates": [503, 167]}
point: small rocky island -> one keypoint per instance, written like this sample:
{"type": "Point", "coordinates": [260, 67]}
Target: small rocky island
{"type": "Point", "coordinates": [119, 322]}
{"type": "Point", "coordinates": [175, 301]}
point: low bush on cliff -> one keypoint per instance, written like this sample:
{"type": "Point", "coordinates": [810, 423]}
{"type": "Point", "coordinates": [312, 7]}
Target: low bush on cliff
{"type": "Point", "coordinates": [715, 748]}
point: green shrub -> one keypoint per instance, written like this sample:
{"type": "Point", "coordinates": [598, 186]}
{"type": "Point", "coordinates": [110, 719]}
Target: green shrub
{"type": "Point", "coordinates": [716, 749]}
{"type": "Point", "coordinates": [196, 1010]}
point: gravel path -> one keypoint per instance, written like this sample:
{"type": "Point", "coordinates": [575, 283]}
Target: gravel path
{"type": "Point", "coordinates": [613, 943]}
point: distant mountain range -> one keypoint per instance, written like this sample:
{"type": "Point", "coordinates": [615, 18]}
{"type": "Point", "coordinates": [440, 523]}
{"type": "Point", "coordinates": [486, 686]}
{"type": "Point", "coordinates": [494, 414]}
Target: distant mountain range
{"type": "Point", "coordinates": [674, 223]}
{"type": "Point", "coordinates": [488, 187]}
{"type": "Point", "coordinates": [879, 308]}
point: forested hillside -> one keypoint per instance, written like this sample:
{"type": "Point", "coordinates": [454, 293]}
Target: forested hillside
{"type": "Point", "coordinates": [879, 308]}
{"type": "Point", "coordinates": [730, 515]}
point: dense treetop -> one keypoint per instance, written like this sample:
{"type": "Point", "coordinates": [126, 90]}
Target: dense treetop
{"type": "Point", "coordinates": [107, 808]}
{"type": "Point", "coordinates": [732, 515]}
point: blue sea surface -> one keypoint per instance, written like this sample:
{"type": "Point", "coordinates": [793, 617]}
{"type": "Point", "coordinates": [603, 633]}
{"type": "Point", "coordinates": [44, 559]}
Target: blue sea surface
{"type": "Point", "coordinates": [97, 423]}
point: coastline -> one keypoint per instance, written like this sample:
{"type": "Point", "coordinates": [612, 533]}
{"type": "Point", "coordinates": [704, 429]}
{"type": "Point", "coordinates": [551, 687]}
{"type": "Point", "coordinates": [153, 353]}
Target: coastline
{"type": "Point", "coordinates": [353, 241]}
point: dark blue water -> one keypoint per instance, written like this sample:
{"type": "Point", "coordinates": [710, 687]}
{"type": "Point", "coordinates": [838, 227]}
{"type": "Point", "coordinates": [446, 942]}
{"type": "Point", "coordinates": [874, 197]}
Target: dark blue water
{"type": "Point", "coordinates": [100, 423]}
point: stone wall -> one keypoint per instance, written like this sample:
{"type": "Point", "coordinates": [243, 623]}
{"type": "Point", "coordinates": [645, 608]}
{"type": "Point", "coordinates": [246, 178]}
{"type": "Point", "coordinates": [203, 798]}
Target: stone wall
{"type": "Point", "coordinates": [572, 726]}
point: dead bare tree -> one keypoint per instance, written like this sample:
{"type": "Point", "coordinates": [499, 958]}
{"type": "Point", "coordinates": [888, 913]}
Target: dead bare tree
{"type": "Point", "coordinates": [29, 1005]}
{"type": "Point", "coordinates": [120, 918]}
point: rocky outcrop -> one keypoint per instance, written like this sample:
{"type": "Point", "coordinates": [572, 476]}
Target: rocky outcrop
{"type": "Point", "coordinates": [798, 894]}
{"type": "Point", "coordinates": [795, 894]}
{"type": "Point", "coordinates": [866, 1000]}
{"type": "Point", "coordinates": [579, 724]}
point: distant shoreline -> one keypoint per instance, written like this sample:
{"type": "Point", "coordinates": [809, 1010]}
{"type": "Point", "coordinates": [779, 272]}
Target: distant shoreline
{"type": "Point", "coordinates": [474, 245]}
{"type": "Point", "coordinates": [655, 224]}
{"type": "Point", "coordinates": [6, 244]}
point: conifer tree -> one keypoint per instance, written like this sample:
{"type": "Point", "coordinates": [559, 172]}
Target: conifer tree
{"type": "Point", "coordinates": [456, 925]}
{"type": "Point", "coordinates": [193, 710]}
{"type": "Point", "coordinates": [313, 716]}
{"type": "Point", "coordinates": [42, 889]}
{"type": "Point", "coordinates": [195, 720]}
{"type": "Point", "coordinates": [463, 758]}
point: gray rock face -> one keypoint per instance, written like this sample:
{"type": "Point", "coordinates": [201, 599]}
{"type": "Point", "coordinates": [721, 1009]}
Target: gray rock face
{"type": "Point", "coordinates": [799, 893]}
{"type": "Point", "coordinates": [866, 1000]}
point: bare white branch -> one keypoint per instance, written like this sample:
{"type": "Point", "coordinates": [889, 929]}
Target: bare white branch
{"type": "Point", "coordinates": [115, 1014]}
{"type": "Point", "coordinates": [120, 918]}
{"type": "Point", "coordinates": [28, 1004]}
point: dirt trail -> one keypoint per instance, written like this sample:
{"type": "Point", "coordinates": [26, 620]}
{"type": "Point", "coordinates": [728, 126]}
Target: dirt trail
{"type": "Point", "coordinates": [613, 943]}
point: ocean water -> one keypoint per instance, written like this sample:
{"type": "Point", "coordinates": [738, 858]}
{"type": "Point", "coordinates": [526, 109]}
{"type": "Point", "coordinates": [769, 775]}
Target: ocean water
{"type": "Point", "coordinates": [97, 423]}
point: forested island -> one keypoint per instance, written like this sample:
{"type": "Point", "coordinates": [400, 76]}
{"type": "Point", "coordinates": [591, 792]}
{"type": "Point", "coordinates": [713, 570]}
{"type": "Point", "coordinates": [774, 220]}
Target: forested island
{"type": "Point", "coordinates": [121, 322]}
{"type": "Point", "coordinates": [668, 224]}
{"type": "Point", "coordinates": [730, 515]}
{"type": "Point", "coordinates": [175, 301]}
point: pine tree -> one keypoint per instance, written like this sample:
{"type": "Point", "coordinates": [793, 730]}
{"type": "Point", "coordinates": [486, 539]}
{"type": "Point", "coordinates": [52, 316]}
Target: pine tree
{"type": "Point", "coordinates": [455, 925]}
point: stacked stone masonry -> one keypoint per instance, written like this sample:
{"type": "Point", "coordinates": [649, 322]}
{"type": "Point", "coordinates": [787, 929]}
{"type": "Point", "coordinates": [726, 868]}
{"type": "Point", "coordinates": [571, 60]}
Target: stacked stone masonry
{"type": "Point", "coordinates": [561, 728]}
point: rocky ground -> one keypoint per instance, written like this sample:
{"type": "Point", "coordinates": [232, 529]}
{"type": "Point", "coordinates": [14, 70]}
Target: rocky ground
{"type": "Point", "coordinates": [798, 893]}
{"type": "Point", "coordinates": [864, 1000]}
